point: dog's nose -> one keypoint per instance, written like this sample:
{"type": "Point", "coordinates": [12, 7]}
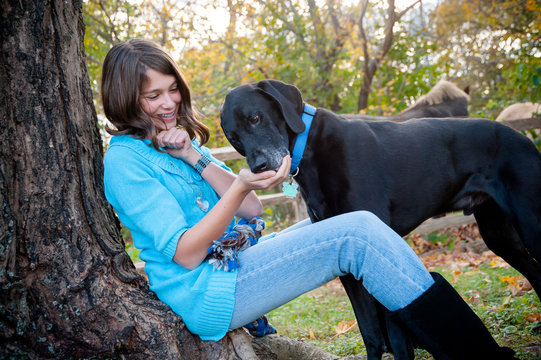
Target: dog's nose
{"type": "Point", "coordinates": [260, 164]}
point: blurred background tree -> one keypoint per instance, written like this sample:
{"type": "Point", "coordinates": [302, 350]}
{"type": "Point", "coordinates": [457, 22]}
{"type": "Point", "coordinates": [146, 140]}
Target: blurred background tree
{"type": "Point", "coordinates": [325, 48]}
{"type": "Point", "coordinates": [493, 45]}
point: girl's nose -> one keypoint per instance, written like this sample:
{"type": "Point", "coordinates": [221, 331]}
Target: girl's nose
{"type": "Point", "coordinates": [168, 101]}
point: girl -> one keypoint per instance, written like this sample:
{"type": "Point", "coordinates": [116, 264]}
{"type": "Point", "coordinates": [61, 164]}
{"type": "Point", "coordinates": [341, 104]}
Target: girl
{"type": "Point", "coordinates": [177, 200]}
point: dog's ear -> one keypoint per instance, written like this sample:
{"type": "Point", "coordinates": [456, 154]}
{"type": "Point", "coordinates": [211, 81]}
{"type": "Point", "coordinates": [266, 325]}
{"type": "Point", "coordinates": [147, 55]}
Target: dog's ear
{"type": "Point", "coordinates": [290, 100]}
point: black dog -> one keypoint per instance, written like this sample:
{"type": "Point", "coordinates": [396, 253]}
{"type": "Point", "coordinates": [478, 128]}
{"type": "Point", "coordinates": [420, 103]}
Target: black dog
{"type": "Point", "coordinates": [404, 173]}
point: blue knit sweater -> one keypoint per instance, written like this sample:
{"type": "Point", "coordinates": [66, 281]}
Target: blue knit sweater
{"type": "Point", "coordinates": [158, 205]}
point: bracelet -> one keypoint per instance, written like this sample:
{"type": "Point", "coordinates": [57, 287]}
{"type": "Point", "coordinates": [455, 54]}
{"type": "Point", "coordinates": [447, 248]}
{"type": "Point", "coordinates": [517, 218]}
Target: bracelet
{"type": "Point", "coordinates": [201, 164]}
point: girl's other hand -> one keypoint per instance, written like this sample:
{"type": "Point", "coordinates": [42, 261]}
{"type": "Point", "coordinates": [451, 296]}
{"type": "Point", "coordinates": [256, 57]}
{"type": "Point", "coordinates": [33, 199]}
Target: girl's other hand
{"type": "Point", "coordinates": [178, 144]}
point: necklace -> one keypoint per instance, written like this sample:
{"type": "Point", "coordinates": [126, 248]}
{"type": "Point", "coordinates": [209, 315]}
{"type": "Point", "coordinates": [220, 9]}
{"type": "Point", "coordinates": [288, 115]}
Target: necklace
{"type": "Point", "coordinates": [200, 202]}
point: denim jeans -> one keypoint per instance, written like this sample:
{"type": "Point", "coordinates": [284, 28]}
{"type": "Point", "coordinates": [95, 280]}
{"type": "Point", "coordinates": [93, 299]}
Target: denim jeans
{"type": "Point", "coordinates": [306, 256]}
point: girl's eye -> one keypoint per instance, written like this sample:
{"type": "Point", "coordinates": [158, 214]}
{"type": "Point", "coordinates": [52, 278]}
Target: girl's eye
{"type": "Point", "coordinates": [151, 97]}
{"type": "Point", "coordinates": [253, 119]}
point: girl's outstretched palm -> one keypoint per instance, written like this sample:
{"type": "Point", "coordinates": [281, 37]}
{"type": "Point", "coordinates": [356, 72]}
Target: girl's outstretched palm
{"type": "Point", "coordinates": [267, 179]}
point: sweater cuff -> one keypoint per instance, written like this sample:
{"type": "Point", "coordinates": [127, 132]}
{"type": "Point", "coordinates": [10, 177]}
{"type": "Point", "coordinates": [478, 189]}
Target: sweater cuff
{"type": "Point", "coordinates": [171, 247]}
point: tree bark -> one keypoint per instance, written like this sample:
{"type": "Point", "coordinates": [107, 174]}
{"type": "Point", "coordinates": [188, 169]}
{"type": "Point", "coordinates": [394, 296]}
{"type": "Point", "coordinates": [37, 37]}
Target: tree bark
{"type": "Point", "coordinates": [68, 289]}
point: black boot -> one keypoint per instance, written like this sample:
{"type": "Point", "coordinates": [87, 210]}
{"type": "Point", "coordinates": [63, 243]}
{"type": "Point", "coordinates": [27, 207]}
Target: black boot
{"type": "Point", "coordinates": [442, 323]}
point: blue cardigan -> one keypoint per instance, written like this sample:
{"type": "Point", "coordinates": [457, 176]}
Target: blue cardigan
{"type": "Point", "coordinates": [158, 205]}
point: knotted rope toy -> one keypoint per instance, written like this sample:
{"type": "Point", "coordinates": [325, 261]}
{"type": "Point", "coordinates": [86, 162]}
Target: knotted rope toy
{"type": "Point", "coordinates": [223, 254]}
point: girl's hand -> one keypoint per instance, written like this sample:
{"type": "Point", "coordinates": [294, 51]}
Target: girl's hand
{"type": "Point", "coordinates": [178, 144]}
{"type": "Point", "coordinates": [265, 180]}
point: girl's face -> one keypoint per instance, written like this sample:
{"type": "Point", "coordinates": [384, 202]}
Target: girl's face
{"type": "Point", "coordinates": [160, 99]}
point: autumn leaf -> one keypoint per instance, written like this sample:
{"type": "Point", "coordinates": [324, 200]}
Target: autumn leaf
{"type": "Point", "coordinates": [498, 262]}
{"type": "Point", "coordinates": [455, 276]}
{"type": "Point", "coordinates": [532, 317]}
{"type": "Point", "coordinates": [511, 280]}
{"type": "Point", "coordinates": [343, 327]}
{"type": "Point", "coordinates": [517, 284]}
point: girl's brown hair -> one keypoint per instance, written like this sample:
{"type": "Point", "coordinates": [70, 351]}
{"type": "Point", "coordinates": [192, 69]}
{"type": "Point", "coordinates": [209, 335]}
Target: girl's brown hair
{"type": "Point", "coordinates": [123, 76]}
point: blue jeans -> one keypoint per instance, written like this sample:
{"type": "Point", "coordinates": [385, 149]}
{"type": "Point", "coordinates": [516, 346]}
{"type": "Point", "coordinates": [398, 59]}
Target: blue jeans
{"type": "Point", "coordinates": [306, 256]}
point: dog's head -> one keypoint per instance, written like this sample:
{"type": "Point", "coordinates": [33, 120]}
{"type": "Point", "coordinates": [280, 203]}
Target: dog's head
{"type": "Point", "coordinates": [260, 119]}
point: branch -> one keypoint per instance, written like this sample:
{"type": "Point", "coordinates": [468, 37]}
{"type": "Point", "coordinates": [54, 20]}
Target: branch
{"type": "Point", "coordinates": [318, 31]}
{"type": "Point", "coordinates": [243, 54]}
{"type": "Point", "coordinates": [334, 19]}
{"type": "Point", "coordinates": [93, 60]}
{"type": "Point", "coordinates": [285, 21]}
{"type": "Point", "coordinates": [389, 34]}
{"type": "Point", "coordinates": [111, 22]}
{"type": "Point", "coordinates": [400, 14]}
{"type": "Point", "coordinates": [363, 33]}
{"type": "Point", "coordinates": [283, 347]}
{"type": "Point", "coordinates": [339, 31]}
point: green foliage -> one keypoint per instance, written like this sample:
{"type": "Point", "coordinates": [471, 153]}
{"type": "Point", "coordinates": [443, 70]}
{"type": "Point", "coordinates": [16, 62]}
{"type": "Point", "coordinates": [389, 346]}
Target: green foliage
{"type": "Point", "coordinates": [522, 75]}
{"type": "Point", "coordinates": [408, 72]}
{"type": "Point", "coordinates": [278, 217]}
{"type": "Point", "coordinates": [315, 47]}
{"type": "Point", "coordinates": [133, 252]}
{"type": "Point", "coordinates": [106, 23]}
{"type": "Point", "coordinates": [441, 238]}
{"type": "Point", "coordinates": [535, 135]}
{"type": "Point", "coordinates": [489, 45]}
{"type": "Point", "coordinates": [492, 45]}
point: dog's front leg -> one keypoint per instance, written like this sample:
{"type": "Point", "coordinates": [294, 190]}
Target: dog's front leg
{"type": "Point", "coordinates": [379, 334]}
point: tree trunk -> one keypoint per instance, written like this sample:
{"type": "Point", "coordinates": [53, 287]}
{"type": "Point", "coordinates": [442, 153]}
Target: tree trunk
{"type": "Point", "coordinates": [68, 289]}
{"type": "Point", "coordinates": [373, 62]}
{"type": "Point", "coordinates": [366, 87]}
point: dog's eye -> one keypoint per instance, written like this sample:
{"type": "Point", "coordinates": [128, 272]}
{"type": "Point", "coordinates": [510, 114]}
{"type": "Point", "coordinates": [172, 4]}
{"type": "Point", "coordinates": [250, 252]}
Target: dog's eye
{"type": "Point", "coordinates": [253, 119]}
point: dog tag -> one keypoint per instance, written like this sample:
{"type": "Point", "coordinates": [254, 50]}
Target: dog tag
{"type": "Point", "coordinates": [289, 189]}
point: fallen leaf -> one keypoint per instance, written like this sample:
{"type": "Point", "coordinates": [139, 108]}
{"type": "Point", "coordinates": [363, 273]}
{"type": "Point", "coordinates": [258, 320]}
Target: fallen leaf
{"type": "Point", "coordinates": [532, 317]}
{"type": "Point", "coordinates": [499, 263]}
{"type": "Point", "coordinates": [515, 283]}
{"type": "Point", "coordinates": [527, 286]}
{"type": "Point", "coordinates": [343, 326]}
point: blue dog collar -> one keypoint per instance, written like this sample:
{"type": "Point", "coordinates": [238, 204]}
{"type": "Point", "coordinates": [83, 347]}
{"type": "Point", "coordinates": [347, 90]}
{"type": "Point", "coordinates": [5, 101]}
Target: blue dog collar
{"type": "Point", "coordinates": [298, 150]}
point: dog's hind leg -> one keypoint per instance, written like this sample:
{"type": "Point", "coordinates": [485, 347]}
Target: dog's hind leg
{"type": "Point", "coordinates": [501, 236]}
{"type": "Point", "coordinates": [379, 333]}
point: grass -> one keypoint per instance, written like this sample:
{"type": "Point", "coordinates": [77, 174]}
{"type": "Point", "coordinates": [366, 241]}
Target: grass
{"type": "Point", "coordinates": [315, 317]}
{"type": "Point", "coordinates": [497, 293]}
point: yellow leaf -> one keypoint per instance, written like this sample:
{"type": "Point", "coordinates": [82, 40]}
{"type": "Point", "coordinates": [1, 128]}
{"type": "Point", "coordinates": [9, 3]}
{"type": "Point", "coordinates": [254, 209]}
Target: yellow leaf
{"type": "Point", "coordinates": [343, 326]}
{"type": "Point", "coordinates": [511, 280]}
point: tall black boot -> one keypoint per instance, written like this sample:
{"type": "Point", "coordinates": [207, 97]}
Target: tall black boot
{"type": "Point", "coordinates": [442, 323]}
